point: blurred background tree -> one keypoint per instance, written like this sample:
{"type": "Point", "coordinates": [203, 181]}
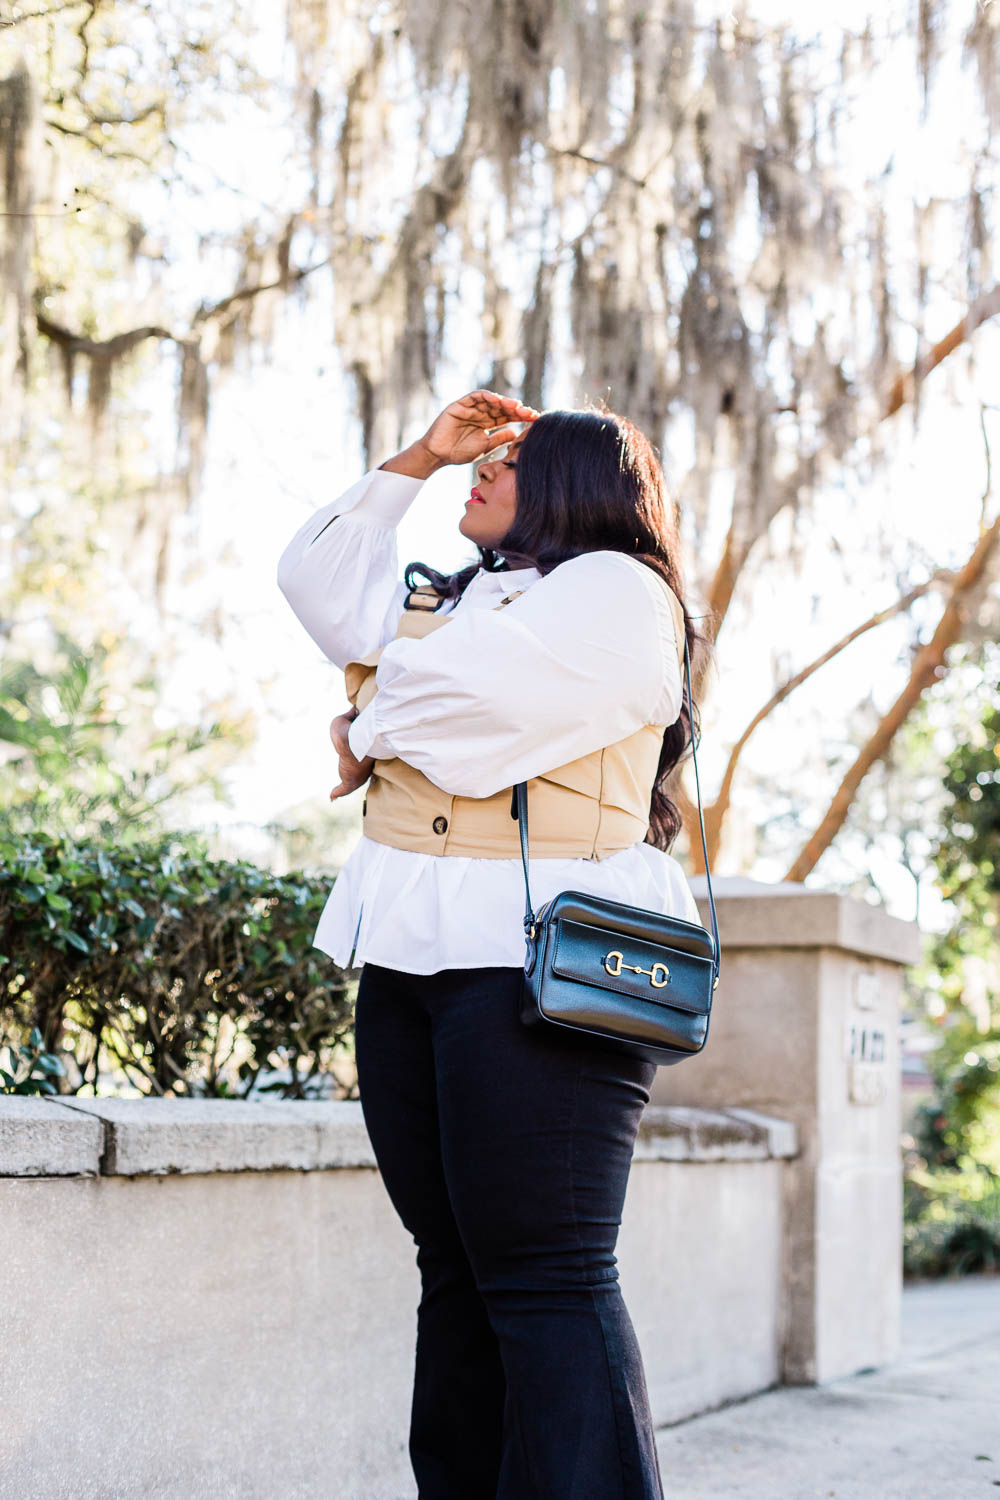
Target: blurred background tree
{"type": "Point", "coordinates": [676, 206]}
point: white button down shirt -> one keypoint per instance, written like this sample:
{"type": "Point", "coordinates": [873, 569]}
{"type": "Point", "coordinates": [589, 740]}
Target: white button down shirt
{"type": "Point", "coordinates": [583, 658]}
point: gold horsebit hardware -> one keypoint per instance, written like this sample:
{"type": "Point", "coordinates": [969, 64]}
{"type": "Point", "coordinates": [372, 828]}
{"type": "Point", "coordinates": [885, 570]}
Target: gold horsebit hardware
{"type": "Point", "coordinates": [659, 974]}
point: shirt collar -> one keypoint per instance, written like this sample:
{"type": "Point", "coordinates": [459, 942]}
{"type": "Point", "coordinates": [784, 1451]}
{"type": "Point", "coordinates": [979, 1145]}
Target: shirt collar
{"type": "Point", "coordinates": [502, 579]}
{"type": "Point", "coordinates": [486, 588]}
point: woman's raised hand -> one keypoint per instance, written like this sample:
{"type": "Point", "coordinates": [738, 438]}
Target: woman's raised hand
{"type": "Point", "coordinates": [464, 431]}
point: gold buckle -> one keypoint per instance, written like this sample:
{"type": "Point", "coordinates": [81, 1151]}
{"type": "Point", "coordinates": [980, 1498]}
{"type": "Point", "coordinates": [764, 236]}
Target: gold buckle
{"type": "Point", "coordinates": [614, 963]}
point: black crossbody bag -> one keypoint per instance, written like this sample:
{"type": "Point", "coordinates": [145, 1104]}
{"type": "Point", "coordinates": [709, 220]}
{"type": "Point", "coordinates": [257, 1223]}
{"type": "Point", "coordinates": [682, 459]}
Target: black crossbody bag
{"type": "Point", "coordinates": [639, 980]}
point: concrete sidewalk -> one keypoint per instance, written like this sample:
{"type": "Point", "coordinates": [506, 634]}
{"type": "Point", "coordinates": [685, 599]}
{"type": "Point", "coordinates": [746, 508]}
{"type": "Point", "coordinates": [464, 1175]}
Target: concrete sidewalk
{"type": "Point", "coordinates": [925, 1428]}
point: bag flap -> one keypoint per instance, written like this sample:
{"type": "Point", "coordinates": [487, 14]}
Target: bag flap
{"type": "Point", "coordinates": [630, 921]}
{"type": "Point", "coordinates": [654, 969]}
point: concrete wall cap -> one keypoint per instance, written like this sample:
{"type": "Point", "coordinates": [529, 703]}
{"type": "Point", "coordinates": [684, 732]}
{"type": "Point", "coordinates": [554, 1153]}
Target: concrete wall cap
{"type": "Point", "coordinates": [39, 1138]}
{"type": "Point", "coordinates": [675, 1132]}
{"type": "Point", "coordinates": [758, 914]}
{"type": "Point", "coordinates": [158, 1136]}
{"type": "Point", "coordinates": [155, 1137]}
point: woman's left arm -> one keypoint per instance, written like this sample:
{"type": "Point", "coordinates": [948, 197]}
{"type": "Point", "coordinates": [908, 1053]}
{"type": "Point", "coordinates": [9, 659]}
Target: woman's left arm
{"type": "Point", "coordinates": [585, 657]}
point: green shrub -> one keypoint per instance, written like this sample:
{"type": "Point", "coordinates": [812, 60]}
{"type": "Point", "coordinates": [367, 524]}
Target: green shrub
{"type": "Point", "coordinates": [951, 1189]}
{"type": "Point", "coordinates": [29, 1069]}
{"type": "Point", "coordinates": [156, 967]}
{"type": "Point", "coordinates": [952, 1178]}
{"type": "Point", "coordinates": [951, 1222]}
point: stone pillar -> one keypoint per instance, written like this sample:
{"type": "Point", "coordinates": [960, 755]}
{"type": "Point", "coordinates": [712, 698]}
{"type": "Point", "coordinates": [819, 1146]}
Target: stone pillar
{"type": "Point", "coordinates": [805, 1027]}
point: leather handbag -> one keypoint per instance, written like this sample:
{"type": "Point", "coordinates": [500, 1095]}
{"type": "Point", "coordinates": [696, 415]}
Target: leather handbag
{"type": "Point", "coordinates": [640, 981]}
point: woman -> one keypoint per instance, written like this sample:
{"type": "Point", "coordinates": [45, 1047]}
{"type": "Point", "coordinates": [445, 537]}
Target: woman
{"type": "Point", "coordinates": [505, 1151]}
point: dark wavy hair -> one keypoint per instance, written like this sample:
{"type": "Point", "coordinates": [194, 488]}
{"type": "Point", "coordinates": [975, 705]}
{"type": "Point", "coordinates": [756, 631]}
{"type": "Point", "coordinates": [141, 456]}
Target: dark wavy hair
{"type": "Point", "coordinates": [590, 481]}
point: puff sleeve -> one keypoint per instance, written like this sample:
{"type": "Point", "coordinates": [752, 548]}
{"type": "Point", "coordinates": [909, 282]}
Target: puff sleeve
{"type": "Point", "coordinates": [340, 570]}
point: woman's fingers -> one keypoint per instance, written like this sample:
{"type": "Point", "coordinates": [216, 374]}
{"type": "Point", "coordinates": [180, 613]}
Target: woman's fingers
{"type": "Point", "coordinates": [353, 773]}
{"type": "Point", "coordinates": [474, 424]}
{"type": "Point", "coordinates": [497, 439]}
{"type": "Point", "coordinates": [490, 408]}
{"type": "Point", "coordinates": [349, 781]}
{"type": "Point", "coordinates": [338, 732]}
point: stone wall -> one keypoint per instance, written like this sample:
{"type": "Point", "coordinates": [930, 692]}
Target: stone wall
{"type": "Point", "coordinates": [212, 1299]}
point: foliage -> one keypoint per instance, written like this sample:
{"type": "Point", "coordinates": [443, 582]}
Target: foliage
{"type": "Point", "coordinates": [953, 1168]}
{"type": "Point", "coordinates": [29, 1068]}
{"type": "Point", "coordinates": [951, 1222]}
{"type": "Point", "coordinates": [130, 957]}
{"type": "Point", "coordinates": [74, 763]}
{"type": "Point", "coordinates": [968, 851]}
{"type": "Point", "coordinates": [966, 959]}
{"type": "Point", "coordinates": [961, 1124]}
{"type": "Point", "coordinates": [169, 971]}
{"type": "Point", "coordinates": [952, 1171]}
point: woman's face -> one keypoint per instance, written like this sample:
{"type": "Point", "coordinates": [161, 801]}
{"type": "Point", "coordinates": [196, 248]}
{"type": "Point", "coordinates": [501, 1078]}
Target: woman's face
{"type": "Point", "coordinates": [489, 511]}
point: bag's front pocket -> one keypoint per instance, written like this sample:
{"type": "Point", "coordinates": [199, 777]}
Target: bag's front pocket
{"type": "Point", "coordinates": [632, 966]}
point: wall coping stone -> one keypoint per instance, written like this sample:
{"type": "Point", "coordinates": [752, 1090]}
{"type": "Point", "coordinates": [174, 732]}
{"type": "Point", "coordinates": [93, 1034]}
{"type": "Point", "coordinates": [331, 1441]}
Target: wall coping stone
{"type": "Point", "coordinates": [676, 1132]}
{"type": "Point", "coordinates": [115, 1137]}
{"type": "Point", "coordinates": [158, 1136]}
{"type": "Point", "coordinates": [39, 1138]}
{"type": "Point", "coordinates": [787, 914]}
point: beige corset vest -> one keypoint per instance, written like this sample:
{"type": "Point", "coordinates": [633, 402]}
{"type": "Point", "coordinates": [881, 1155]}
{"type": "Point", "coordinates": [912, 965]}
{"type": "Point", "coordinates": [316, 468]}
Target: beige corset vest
{"type": "Point", "coordinates": [589, 808]}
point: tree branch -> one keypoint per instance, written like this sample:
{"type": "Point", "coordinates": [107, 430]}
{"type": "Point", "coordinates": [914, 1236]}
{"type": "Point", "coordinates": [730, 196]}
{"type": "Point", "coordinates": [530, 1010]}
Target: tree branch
{"type": "Point", "coordinates": [121, 343]}
{"type": "Point", "coordinates": [39, 15]}
{"type": "Point", "coordinates": [928, 666]}
{"type": "Point", "coordinates": [723, 584]}
{"type": "Point", "coordinates": [720, 807]}
{"type": "Point", "coordinates": [595, 161]}
{"type": "Point", "coordinates": [156, 108]}
{"type": "Point", "coordinates": [118, 153]}
{"type": "Point", "coordinates": [243, 294]}
{"type": "Point", "coordinates": [903, 387]}
{"type": "Point", "coordinates": [735, 553]}
{"type": "Point", "coordinates": [688, 810]}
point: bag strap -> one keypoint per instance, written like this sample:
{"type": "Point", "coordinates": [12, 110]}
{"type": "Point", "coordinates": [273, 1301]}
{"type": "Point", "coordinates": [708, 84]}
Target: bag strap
{"type": "Point", "coordinates": [519, 810]}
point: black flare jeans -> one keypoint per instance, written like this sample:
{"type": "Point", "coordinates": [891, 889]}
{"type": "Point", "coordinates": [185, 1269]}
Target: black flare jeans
{"type": "Point", "coordinates": [506, 1154]}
